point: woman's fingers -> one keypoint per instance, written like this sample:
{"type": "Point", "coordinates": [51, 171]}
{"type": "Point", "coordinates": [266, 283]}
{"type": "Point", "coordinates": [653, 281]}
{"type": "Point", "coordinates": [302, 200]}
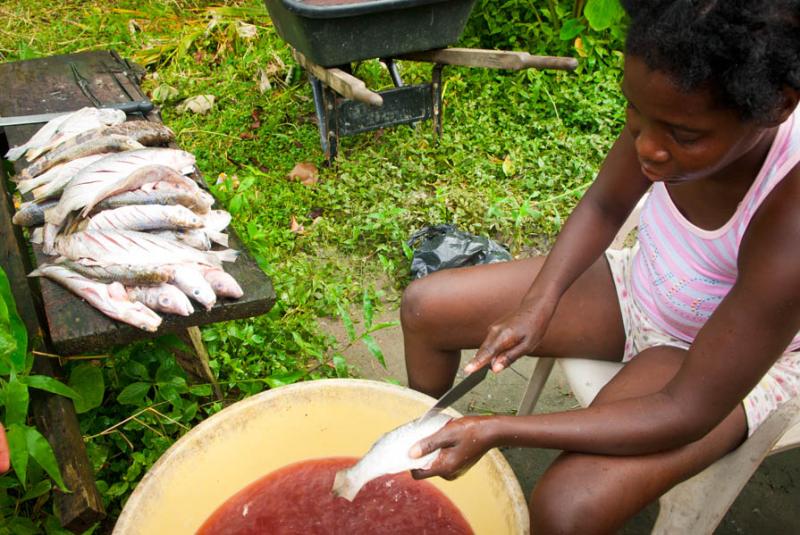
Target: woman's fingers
{"type": "Point", "coordinates": [438, 440]}
{"type": "Point", "coordinates": [499, 340]}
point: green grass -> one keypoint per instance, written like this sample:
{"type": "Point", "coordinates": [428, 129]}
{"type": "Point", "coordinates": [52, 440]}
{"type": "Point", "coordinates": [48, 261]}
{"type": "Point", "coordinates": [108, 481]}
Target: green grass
{"type": "Point", "coordinates": [551, 128]}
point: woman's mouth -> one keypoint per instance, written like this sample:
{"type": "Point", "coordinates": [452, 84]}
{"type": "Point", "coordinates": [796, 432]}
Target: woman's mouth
{"type": "Point", "coordinates": [654, 176]}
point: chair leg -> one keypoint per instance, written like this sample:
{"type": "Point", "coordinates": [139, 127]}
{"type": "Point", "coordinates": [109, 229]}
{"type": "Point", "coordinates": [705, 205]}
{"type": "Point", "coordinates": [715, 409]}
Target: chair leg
{"type": "Point", "coordinates": [541, 371]}
{"type": "Point", "coordinates": [698, 504]}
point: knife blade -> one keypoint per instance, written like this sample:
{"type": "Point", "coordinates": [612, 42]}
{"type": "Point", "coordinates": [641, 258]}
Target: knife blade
{"type": "Point", "coordinates": [136, 106]}
{"type": "Point", "coordinates": [455, 393]}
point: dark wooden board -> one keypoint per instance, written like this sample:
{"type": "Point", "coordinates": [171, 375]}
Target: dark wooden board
{"type": "Point", "coordinates": [47, 85]}
{"type": "Point", "coordinates": [54, 415]}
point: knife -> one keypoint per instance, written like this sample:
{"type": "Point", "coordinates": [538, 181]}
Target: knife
{"type": "Point", "coordinates": [136, 106]}
{"type": "Point", "coordinates": [455, 393]}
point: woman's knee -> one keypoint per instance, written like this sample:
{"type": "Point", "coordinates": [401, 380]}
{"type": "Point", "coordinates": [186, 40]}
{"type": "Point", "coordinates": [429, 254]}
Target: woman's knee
{"type": "Point", "coordinates": [563, 503]}
{"type": "Point", "coordinates": [417, 306]}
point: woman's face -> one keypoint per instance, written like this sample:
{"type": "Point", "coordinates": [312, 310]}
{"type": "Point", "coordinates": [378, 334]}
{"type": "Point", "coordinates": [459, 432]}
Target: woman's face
{"type": "Point", "coordinates": [682, 136]}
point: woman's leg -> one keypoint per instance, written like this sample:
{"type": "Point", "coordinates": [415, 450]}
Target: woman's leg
{"type": "Point", "coordinates": [452, 309]}
{"type": "Point", "coordinates": [586, 494]}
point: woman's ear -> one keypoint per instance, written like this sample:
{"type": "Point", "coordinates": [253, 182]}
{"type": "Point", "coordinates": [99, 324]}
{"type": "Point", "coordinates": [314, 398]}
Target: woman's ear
{"type": "Point", "coordinates": [791, 97]}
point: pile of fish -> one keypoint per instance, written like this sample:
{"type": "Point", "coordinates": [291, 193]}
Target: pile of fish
{"type": "Point", "coordinates": [129, 229]}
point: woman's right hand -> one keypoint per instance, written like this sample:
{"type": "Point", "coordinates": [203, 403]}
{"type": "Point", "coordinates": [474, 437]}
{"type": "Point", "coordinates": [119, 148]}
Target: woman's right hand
{"type": "Point", "coordinates": [512, 336]}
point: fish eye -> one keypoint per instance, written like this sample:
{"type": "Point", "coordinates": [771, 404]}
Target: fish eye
{"type": "Point", "coordinates": [196, 292]}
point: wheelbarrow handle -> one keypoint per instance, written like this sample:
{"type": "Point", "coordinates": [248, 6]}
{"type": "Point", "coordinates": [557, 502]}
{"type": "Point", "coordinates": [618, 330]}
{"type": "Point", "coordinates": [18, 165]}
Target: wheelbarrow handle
{"type": "Point", "coordinates": [492, 59]}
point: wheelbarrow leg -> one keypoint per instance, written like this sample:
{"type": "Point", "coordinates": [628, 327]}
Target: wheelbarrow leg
{"type": "Point", "coordinates": [436, 95]}
{"type": "Point", "coordinates": [325, 107]}
{"type": "Point", "coordinates": [391, 66]}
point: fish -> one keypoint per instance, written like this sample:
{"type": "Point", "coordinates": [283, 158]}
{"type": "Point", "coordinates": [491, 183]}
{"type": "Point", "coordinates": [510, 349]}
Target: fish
{"type": "Point", "coordinates": [163, 298]}
{"type": "Point", "coordinates": [148, 133]}
{"type": "Point", "coordinates": [135, 248]}
{"type": "Point", "coordinates": [389, 455]}
{"type": "Point", "coordinates": [223, 284]}
{"type": "Point", "coordinates": [147, 217]}
{"type": "Point", "coordinates": [64, 127]}
{"type": "Point", "coordinates": [112, 143]}
{"type": "Point", "coordinates": [196, 238]}
{"type": "Point", "coordinates": [122, 172]}
{"type": "Point", "coordinates": [31, 213]}
{"type": "Point", "coordinates": [110, 299]}
{"type": "Point", "coordinates": [126, 274]}
{"type": "Point", "coordinates": [190, 280]}
{"type": "Point", "coordinates": [58, 175]}
{"type": "Point", "coordinates": [197, 202]}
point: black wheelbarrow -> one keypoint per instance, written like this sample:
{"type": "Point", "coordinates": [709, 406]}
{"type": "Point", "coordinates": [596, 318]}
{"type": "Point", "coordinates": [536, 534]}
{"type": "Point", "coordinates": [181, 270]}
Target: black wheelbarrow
{"type": "Point", "coordinates": [328, 35]}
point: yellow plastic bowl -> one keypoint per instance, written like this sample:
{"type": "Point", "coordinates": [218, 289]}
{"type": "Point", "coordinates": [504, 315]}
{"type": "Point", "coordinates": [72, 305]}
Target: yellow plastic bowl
{"type": "Point", "coordinates": [327, 418]}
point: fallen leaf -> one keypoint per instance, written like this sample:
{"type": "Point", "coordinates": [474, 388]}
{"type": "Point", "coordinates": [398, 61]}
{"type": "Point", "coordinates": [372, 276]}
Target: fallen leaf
{"type": "Point", "coordinates": [306, 173]}
{"type": "Point", "coordinates": [264, 84]}
{"type": "Point", "coordinates": [296, 227]}
{"type": "Point", "coordinates": [508, 166]}
{"type": "Point", "coordinates": [200, 104]}
{"type": "Point", "coordinates": [245, 30]}
{"type": "Point", "coordinates": [164, 93]}
{"type": "Point", "coordinates": [580, 48]}
{"type": "Point", "coordinates": [246, 135]}
{"type": "Point", "coordinates": [133, 27]}
{"type": "Point", "coordinates": [199, 56]}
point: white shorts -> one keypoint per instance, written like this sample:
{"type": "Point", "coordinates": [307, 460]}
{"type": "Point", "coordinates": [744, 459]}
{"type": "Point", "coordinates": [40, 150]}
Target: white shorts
{"type": "Point", "coordinates": [780, 384]}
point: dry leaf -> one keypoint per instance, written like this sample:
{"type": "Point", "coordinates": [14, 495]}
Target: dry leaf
{"type": "Point", "coordinates": [580, 48]}
{"type": "Point", "coordinates": [306, 173]}
{"type": "Point", "coordinates": [508, 166]}
{"type": "Point", "coordinates": [133, 27]}
{"type": "Point", "coordinates": [264, 84]}
{"type": "Point", "coordinates": [200, 104]}
{"type": "Point", "coordinates": [296, 227]}
{"type": "Point", "coordinates": [245, 30]}
{"type": "Point", "coordinates": [164, 93]}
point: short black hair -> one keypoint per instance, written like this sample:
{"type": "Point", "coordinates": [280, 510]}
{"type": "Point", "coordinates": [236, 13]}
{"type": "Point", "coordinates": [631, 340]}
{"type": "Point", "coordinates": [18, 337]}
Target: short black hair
{"type": "Point", "coordinates": [747, 51]}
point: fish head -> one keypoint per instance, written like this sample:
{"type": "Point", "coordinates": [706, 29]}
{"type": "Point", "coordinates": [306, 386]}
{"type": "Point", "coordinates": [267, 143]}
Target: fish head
{"type": "Point", "coordinates": [141, 316]}
{"type": "Point", "coordinates": [174, 301]}
{"type": "Point", "coordinates": [223, 284]}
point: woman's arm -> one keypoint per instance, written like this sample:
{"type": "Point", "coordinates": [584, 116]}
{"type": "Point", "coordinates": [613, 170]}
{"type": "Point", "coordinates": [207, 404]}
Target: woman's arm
{"type": "Point", "coordinates": [747, 333]}
{"type": "Point", "coordinates": [587, 233]}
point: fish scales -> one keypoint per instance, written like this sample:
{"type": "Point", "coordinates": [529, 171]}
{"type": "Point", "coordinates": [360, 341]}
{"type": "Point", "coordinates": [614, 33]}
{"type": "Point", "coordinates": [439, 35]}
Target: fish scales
{"type": "Point", "coordinates": [147, 217]}
{"type": "Point", "coordinates": [389, 455]}
{"type": "Point", "coordinates": [136, 248]}
{"type": "Point", "coordinates": [104, 177]}
{"type": "Point", "coordinates": [123, 273]}
{"type": "Point", "coordinates": [112, 143]}
{"type": "Point", "coordinates": [194, 201]}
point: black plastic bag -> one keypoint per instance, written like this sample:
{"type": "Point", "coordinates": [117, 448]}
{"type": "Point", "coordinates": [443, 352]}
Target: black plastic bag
{"type": "Point", "coordinates": [444, 246]}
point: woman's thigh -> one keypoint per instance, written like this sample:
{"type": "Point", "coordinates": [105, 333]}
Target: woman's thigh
{"type": "Point", "coordinates": [583, 493]}
{"type": "Point", "coordinates": [453, 309]}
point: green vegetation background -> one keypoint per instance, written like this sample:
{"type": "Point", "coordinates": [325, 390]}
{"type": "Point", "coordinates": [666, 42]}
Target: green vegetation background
{"type": "Point", "coordinates": [517, 152]}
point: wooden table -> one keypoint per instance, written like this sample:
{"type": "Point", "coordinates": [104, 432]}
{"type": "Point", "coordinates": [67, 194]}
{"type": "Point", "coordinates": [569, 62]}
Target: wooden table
{"type": "Point", "coordinates": [57, 320]}
{"type": "Point", "coordinates": [47, 85]}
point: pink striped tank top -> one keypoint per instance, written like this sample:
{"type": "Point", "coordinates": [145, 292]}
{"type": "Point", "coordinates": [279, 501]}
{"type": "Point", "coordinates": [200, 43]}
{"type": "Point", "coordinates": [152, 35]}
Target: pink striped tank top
{"type": "Point", "coordinates": [682, 272]}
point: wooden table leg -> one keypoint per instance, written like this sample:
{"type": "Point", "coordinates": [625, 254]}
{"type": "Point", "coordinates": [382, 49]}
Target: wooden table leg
{"type": "Point", "coordinates": [195, 362]}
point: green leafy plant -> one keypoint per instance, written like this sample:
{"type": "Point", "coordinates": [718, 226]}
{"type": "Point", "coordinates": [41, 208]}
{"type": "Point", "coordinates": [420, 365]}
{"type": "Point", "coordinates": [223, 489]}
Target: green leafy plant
{"type": "Point", "coordinates": [32, 457]}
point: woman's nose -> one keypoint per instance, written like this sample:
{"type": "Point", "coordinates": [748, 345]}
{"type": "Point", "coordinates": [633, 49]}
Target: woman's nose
{"type": "Point", "coordinates": [649, 148]}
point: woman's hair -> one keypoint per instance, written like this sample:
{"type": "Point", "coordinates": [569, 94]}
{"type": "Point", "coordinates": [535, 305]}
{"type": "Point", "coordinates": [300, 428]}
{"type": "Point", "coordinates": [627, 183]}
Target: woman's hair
{"type": "Point", "coordinates": [746, 51]}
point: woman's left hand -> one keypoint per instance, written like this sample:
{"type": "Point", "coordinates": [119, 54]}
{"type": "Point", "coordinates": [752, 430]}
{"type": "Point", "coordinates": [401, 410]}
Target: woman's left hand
{"type": "Point", "coordinates": [462, 441]}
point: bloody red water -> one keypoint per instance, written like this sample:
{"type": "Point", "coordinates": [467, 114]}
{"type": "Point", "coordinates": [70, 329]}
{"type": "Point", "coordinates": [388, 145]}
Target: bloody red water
{"type": "Point", "coordinates": [297, 499]}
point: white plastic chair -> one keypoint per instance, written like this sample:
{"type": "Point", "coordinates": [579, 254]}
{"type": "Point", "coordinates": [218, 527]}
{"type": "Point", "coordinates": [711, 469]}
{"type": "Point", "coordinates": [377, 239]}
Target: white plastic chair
{"type": "Point", "coordinates": [698, 504]}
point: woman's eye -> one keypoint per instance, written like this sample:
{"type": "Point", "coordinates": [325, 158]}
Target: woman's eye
{"type": "Point", "coordinates": [685, 138]}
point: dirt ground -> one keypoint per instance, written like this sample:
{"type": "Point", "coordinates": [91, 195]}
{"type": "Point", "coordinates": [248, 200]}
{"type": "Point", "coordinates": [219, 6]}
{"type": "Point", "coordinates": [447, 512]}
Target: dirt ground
{"type": "Point", "coordinates": [768, 504]}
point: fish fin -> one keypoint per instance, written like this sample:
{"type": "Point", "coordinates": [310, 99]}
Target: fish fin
{"type": "Point", "coordinates": [16, 153]}
{"type": "Point", "coordinates": [38, 271]}
{"type": "Point", "coordinates": [343, 486]}
{"type": "Point", "coordinates": [227, 255]}
{"type": "Point", "coordinates": [218, 237]}
{"type": "Point", "coordinates": [37, 236]}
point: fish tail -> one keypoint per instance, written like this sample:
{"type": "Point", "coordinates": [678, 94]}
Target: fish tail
{"type": "Point", "coordinates": [228, 255]}
{"type": "Point", "coordinates": [343, 486]}
{"type": "Point", "coordinates": [218, 237]}
{"type": "Point", "coordinates": [16, 153]}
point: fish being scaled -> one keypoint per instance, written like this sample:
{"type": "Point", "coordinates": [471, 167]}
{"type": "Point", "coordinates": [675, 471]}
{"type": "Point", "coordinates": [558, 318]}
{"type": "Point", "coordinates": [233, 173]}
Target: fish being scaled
{"type": "Point", "coordinates": [146, 217]}
{"type": "Point", "coordinates": [389, 455]}
{"type": "Point", "coordinates": [112, 143]}
{"type": "Point", "coordinates": [164, 298]}
{"type": "Point", "coordinates": [110, 299]}
{"type": "Point", "coordinates": [67, 126]}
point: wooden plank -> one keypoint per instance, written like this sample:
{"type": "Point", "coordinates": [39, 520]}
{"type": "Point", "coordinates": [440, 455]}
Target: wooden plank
{"type": "Point", "coordinates": [343, 83]}
{"type": "Point", "coordinates": [74, 326]}
{"type": "Point", "coordinates": [54, 415]}
{"type": "Point", "coordinates": [491, 59]}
